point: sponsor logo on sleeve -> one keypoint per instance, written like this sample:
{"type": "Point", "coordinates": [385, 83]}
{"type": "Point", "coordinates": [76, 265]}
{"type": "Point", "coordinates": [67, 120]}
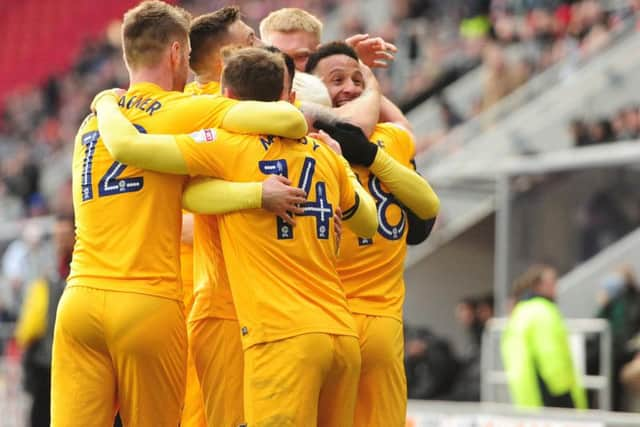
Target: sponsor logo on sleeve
{"type": "Point", "coordinates": [204, 136]}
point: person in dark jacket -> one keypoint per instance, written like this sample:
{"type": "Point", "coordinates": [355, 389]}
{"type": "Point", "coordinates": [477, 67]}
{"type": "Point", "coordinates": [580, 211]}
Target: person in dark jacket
{"type": "Point", "coordinates": [620, 306]}
{"type": "Point", "coordinates": [430, 364]}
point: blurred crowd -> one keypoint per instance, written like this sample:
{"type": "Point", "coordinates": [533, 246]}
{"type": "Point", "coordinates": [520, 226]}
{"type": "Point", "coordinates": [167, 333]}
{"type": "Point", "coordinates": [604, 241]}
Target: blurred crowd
{"type": "Point", "coordinates": [38, 124]}
{"type": "Point", "coordinates": [607, 216]}
{"type": "Point", "coordinates": [518, 39]}
{"type": "Point", "coordinates": [623, 125]}
{"type": "Point", "coordinates": [438, 42]}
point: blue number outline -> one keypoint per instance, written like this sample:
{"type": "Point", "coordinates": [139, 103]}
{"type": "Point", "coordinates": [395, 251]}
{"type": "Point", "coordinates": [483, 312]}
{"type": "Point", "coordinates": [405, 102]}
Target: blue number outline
{"type": "Point", "coordinates": [109, 184]}
{"type": "Point", "coordinates": [385, 200]}
{"type": "Point", "coordinates": [321, 209]}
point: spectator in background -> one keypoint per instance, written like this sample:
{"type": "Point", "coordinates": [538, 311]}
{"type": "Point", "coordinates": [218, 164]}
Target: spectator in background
{"type": "Point", "coordinates": [619, 301]}
{"type": "Point", "coordinates": [484, 309]}
{"type": "Point", "coordinates": [604, 223]}
{"type": "Point", "coordinates": [473, 314]}
{"type": "Point", "coordinates": [450, 118]}
{"type": "Point", "coordinates": [535, 346]}
{"type": "Point", "coordinates": [630, 378]}
{"type": "Point", "coordinates": [624, 125]}
{"type": "Point", "coordinates": [21, 176]}
{"type": "Point", "coordinates": [466, 314]}
{"type": "Point", "coordinates": [502, 76]}
{"type": "Point", "coordinates": [22, 262]}
{"type": "Point", "coordinates": [429, 363]}
{"type": "Point", "coordinates": [34, 331]}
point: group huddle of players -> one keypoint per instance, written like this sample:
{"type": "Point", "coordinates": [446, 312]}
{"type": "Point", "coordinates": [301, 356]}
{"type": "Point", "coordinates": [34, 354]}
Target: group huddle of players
{"type": "Point", "coordinates": [275, 297]}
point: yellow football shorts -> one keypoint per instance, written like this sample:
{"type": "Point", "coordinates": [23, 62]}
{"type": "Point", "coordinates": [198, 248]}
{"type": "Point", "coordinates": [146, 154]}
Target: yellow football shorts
{"type": "Point", "coordinates": [193, 411]}
{"type": "Point", "coordinates": [306, 380]}
{"type": "Point", "coordinates": [382, 391]}
{"type": "Point", "coordinates": [118, 351]}
{"type": "Point", "coordinates": [217, 353]}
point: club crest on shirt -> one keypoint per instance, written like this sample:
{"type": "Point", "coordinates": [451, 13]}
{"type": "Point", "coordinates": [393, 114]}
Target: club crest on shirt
{"type": "Point", "coordinates": [204, 135]}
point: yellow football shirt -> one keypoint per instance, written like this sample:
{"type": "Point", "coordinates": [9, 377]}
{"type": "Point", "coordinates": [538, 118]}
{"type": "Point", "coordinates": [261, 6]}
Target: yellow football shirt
{"type": "Point", "coordinates": [371, 270]}
{"type": "Point", "coordinates": [212, 294]}
{"type": "Point", "coordinates": [283, 278]}
{"type": "Point", "coordinates": [186, 272]}
{"type": "Point", "coordinates": [195, 88]}
{"type": "Point", "coordinates": [128, 220]}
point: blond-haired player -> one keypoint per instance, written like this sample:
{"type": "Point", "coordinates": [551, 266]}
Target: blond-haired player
{"type": "Point", "coordinates": [120, 336]}
{"type": "Point", "coordinates": [301, 353]}
{"type": "Point", "coordinates": [298, 33]}
{"type": "Point", "coordinates": [371, 270]}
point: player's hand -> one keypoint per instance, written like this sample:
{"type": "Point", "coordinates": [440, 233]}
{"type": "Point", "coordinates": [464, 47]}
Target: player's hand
{"type": "Point", "coordinates": [373, 51]}
{"type": "Point", "coordinates": [330, 142]}
{"type": "Point", "coordinates": [356, 148]}
{"type": "Point", "coordinates": [115, 93]}
{"type": "Point", "coordinates": [279, 197]}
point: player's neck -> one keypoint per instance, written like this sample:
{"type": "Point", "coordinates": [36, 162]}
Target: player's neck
{"type": "Point", "coordinates": [210, 76]}
{"type": "Point", "coordinates": [156, 76]}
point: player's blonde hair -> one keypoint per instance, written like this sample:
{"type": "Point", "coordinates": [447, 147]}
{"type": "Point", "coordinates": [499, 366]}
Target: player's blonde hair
{"type": "Point", "coordinates": [290, 19]}
{"type": "Point", "coordinates": [149, 29]}
{"type": "Point", "coordinates": [528, 280]}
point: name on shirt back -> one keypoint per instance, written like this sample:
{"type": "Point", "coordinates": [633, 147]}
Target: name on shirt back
{"type": "Point", "coordinates": [148, 105]}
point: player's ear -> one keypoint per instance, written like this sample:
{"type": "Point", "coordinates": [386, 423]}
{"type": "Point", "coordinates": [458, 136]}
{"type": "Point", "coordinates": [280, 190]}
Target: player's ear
{"type": "Point", "coordinates": [292, 96]}
{"type": "Point", "coordinates": [175, 52]}
{"type": "Point", "coordinates": [227, 92]}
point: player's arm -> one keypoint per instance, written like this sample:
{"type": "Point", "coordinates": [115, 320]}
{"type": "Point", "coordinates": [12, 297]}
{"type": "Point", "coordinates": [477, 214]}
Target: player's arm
{"type": "Point", "coordinates": [159, 153]}
{"type": "Point", "coordinates": [390, 113]}
{"type": "Point", "coordinates": [406, 185]}
{"type": "Point", "coordinates": [162, 153]}
{"type": "Point", "coordinates": [360, 213]}
{"type": "Point", "coordinates": [362, 217]}
{"type": "Point", "coordinates": [363, 111]}
{"type": "Point", "coordinates": [266, 118]}
{"type": "Point", "coordinates": [215, 197]}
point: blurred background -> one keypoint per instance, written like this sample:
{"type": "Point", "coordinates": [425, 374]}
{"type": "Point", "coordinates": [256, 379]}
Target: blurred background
{"type": "Point", "coordinates": [526, 115]}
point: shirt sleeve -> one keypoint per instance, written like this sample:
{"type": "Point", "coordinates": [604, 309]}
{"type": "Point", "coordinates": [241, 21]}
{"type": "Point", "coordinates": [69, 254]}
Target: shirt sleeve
{"type": "Point", "coordinates": [358, 207]}
{"type": "Point", "coordinates": [208, 152]}
{"type": "Point", "coordinates": [405, 143]}
{"type": "Point", "coordinates": [205, 111]}
{"type": "Point", "coordinates": [248, 117]}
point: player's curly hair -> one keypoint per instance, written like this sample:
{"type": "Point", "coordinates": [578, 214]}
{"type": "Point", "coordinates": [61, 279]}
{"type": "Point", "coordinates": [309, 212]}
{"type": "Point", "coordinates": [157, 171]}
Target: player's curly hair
{"type": "Point", "coordinates": [326, 50]}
